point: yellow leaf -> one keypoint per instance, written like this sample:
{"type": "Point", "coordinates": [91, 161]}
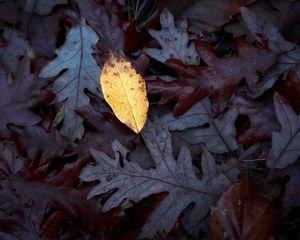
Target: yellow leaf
{"type": "Point", "coordinates": [125, 91]}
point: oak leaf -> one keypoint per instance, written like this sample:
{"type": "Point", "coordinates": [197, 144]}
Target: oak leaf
{"type": "Point", "coordinates": [82, 73]}
{"type": "Point", "coordinates": [43, 194]}
{"type": "Point", "coordinates": [219, 78]}
{"type": "Point", "coordinates": [124, 89]}
{"type": "Point", "coordinates": [15, 48]}
{"type": "Point", "coordinates": [176, 177]}
{"type": "Point", "coordinates": [209, 16]}
{"type": "Point", "coordinates": [106, 20]}
{"type": "Point", "coordinates": [286, 142]}
{"type": "Point", "coordinates": [19, 96]}
{"type": "Point", "coordinates": [42, 7]}
{"type": "Point", "coordinates": [218, 136]}
{"type": "Point", "coordinates": [174, 41]}
{"type": "Point", "coordinates": [288, 53]}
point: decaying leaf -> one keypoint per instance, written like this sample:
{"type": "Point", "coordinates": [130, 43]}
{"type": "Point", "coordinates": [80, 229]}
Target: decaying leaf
{"type": "Point", "coordinates": [43, 194]}
{"type": "Point", "coordinates": [220, 77]}
{"type": "Point", "coordinates": [291, 196]}
{"type": "Point", "coordinates": [106, 20]}
{"type": "Point", "coordinates": [15, 48]}
{"type": "Point", "coordinates": [42, 7]}
{"type": "Point", "coordinates": [290, 90]}
{"type": "Point", "coordinates": [124, 89]}
{"type": "Point", "coordinates": [176, 177]}
{"type": "Point", "coordinates": [288, 53]}
{"type": "Point", "coordinates": [219, 136]}
{"type": "Point", "coordinates": [173, 40]}
{"type": "Point", "coordinates": [242, 213]}
{"type": "Point", "coordinates": [211, 15]}
{"type": "Point", "coordinates": [19, 96]}
{"type": "Point", "coordinates": [286, 142]}
{"type": "Point", "coordinates": [260, 112]}
{"type": "Point", "coordinates": [75, 56]}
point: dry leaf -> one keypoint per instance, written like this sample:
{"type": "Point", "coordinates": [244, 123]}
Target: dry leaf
{"type": "Point", "coordinates": [286, 142]}
{"type": "Point", "coordinates": [81, 72]}
{"type": "Point", "coordinates": [242, 213]}
{"type": "Point", "coordinates": [175, 176]}
{"type": "Point", "coordinates": [42, 7]}
{"type": "Point", "coordinates": [218, 135]}
{"type": "Point", "coordinates": [174, 41]}
{"type": "Point", "coordinates": [125, 91]}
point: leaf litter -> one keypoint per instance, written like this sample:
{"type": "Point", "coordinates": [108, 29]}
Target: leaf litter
{"type": "Point", "coordinates": [222, 82]}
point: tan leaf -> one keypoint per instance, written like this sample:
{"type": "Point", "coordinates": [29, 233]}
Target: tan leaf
{"type": "Point", "coordinates": [125, 91]}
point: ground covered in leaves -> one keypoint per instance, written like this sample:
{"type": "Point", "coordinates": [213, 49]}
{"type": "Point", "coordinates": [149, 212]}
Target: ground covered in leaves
{"type": "Point", "coordinates": [218, 157]}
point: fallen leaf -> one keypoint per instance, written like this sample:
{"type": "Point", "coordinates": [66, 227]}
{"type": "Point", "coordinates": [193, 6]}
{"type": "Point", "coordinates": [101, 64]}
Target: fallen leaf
{"type": "Point", "coordinates": [75, 56]}
{"type": "Point", "coordinates": [42, 7]}
{"type": "Point", "coordinates": [106, 19]}
{"type": "Point", "coordinates": [291, 197]}
{"type": "Point", "coordinates": [262, 118]}
{"type": "Point", "coordinates": [290, 90]}
{"type": "Point", "coordinates": [242, 213]}
{"type": "Point", "coordinates": [218, 136]}
{"type": "Point", "coordinates": [173, 40]}
{"type": "Point", "coordinates": [184, 94]}
{"type": "Point", "coordinates": [124, 89]}
{"type": "Point", "coordinates": [196, 116]}
{"type": "Point", "coordinates": [267, 11]}
{"type": "Point", "coordinates": [42, 33]}
{"type": "Point", "coordinates": [224, 74]}
{"type": "Point", "coordinates": [110, 127]}
{"type": "Point", "coordinates": [40, 145]}
{"type": "Point", "coordinates": [16, 47]}
{"type": "Point", "coordinates": [286, 142]}
{"type": "Point", "coordinates": [221, 75]}
{"type": "Point", "coordinates": [43, 194]}
{"type": "Point", "coordinates": [176, 177]}
{"type": "Point", "coordinates": [288, 53]}
{"type": "Point", "coordinates": [211, 15]}
{"type": "Point", "coordinates": [19, 96]}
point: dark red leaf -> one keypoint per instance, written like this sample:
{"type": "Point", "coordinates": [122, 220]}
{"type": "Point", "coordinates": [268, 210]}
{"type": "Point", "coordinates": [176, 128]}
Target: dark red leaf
{"type": "Point", "coordinates": [51, 197]}
{"type": "Point", "coordinates": [221, 76]}
{"type": "Point", "coordinates": [178, 91]}
{"type": "Point", "coordinates": [106, 20]}
{"type": "Point", "coordinates": [41, 146]}
{"type": "Point", "coordinates": [262, 117]}
{"type": "Point", "coordinates": [290, 90]}
{"type": "Point", "coordinates": [19, 96]}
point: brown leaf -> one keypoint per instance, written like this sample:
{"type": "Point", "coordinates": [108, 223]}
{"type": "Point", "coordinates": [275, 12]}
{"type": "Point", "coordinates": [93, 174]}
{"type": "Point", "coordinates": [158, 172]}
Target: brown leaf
{"type": "Point", "coordinates": [242, 213]}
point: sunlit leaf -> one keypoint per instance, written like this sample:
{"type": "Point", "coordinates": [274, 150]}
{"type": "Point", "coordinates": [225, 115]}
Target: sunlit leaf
{"type": "Point", "coordinates": [125, 91]}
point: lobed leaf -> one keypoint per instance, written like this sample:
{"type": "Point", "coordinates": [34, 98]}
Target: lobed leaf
{"type": "Point", "coordinates": [176, 177]}
{"type": "Point", "coordinates": [82, 73]}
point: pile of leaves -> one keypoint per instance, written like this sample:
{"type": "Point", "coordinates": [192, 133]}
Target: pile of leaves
{"type": "Point", "coordinates": [219, 155]}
